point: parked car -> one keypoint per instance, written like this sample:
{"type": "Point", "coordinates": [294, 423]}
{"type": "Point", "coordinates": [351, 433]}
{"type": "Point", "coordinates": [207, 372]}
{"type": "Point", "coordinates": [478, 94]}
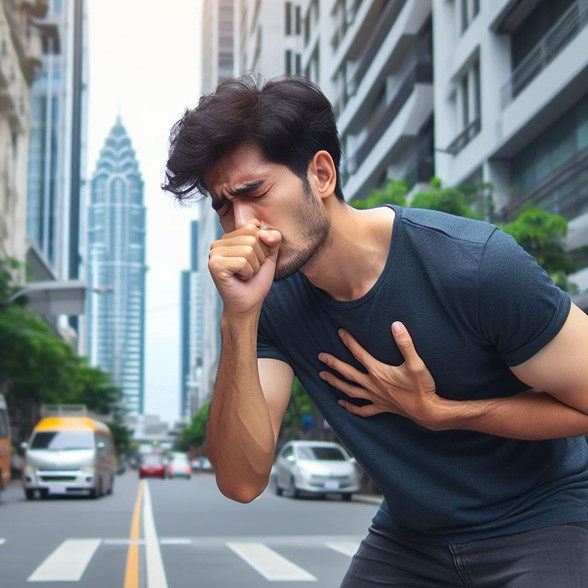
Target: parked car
{"type": "Point", "coordinates": [179, 466]}
{"type": "Point", "coordinates": [316, 467]}
{"type": "Point", "coordinates": [152, 466]}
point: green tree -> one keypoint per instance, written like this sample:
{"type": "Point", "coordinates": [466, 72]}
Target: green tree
{"type": "Point", "coordinates": [194, 436]}
{"type": "Point", "coordinates": [299, 407]}
{"type": "Point", "coordinates": [543, 234]}
{"type": "Point", "coordinates": [37, 367]}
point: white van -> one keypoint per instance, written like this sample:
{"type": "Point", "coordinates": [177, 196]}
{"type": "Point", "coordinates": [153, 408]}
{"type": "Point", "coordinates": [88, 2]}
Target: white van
{"type": "Point", "coordinates": [69, 455]}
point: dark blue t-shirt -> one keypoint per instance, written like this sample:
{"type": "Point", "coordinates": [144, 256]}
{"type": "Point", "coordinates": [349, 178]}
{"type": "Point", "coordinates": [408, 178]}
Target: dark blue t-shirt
{"type": "Point", "coordinates": [474, 303]}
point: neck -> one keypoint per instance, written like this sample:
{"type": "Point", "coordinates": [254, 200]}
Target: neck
{"type": "Point", "coordinates": [356, 252]}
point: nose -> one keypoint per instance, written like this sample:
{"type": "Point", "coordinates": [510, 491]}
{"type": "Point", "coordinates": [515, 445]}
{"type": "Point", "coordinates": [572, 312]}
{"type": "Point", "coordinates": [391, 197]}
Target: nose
{"type": "Point", "coordinates": [243, 213]}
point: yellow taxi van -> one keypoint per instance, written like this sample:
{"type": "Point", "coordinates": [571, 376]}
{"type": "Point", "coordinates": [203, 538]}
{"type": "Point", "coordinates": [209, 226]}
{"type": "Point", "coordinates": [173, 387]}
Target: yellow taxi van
{"type": "Point", "coordinates": [69, 455]}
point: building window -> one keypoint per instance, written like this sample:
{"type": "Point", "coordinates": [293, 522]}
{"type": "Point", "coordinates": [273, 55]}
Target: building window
{"type": "Point", "coordinates": [469, 10]}
{"type": "Point", "coordinates": [552, 171]}
{"type": "Point", "coordinates": [288, 18]}
{"type": "Point", "coordinates": [469, 103]}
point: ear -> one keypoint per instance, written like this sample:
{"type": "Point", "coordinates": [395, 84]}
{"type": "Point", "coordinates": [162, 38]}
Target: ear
{"type": "Point", "coordinates": [322, 174]}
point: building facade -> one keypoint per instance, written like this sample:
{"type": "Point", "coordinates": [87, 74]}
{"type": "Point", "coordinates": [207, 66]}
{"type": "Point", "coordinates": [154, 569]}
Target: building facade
{"type": "Point", "coordinates": [191, 344]}
{"type": "Point", "coordinates": [116, 269]}
{"type": "Point", "coordinates": [20, 60]}
{"type": "Point", "coordinates": [57, 143]}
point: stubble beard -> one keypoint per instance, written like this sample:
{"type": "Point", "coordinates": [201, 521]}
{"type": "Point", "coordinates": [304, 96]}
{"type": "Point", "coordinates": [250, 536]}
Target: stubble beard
{"type": "Point", "coordinates": [313, 226]}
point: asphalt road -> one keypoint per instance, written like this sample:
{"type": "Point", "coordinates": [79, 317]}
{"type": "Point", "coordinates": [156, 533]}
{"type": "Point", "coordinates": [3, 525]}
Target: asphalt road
{"type": "Point", "coordinates": [176, 534]}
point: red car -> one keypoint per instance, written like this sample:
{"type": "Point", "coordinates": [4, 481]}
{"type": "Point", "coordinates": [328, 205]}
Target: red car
{"type": "Point", "coordinates": [152, 466]}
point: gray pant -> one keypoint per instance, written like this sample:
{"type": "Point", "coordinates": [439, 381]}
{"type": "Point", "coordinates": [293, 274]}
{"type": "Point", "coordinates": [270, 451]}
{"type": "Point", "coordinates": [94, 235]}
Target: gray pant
{"type": "Point", "coordinates": [554, 557]}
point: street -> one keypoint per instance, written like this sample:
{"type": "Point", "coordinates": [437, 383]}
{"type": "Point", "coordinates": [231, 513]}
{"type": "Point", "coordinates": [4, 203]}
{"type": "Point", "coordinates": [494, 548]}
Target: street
{"type": "Point", "coordinates": [176, 534]}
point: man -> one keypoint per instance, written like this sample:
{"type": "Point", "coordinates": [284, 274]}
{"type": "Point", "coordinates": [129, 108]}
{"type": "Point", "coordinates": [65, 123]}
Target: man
{"type": "Point", "coordinates": [439, 352]}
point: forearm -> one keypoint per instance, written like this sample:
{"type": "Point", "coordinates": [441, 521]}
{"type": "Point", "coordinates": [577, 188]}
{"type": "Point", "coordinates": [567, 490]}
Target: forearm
{"type": "Point", "coordinates": [529, 416]}
{"type": "Point", "coordinates": [240, 439]}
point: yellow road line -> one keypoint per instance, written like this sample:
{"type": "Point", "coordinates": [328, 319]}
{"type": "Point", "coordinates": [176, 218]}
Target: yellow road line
{"type": "Point", "coordinates": [132, 569]}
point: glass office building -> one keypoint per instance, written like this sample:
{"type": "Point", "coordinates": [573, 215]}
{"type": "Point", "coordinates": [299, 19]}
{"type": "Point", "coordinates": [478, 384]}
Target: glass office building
{"type": "Point", "coordinates": [116, 269]}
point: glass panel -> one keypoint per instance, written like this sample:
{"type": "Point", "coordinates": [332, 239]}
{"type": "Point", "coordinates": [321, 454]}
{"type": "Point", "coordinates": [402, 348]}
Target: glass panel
{"type": "Point", "coordinates": [62, 440]}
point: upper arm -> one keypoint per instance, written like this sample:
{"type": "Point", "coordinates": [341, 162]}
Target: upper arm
{"type": "Point", "coordinates": [276, 378]}
{"type": "Point", "coordinates": [561, 367]}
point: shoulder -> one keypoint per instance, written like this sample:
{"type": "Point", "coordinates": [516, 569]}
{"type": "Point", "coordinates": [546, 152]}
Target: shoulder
{"type": "Point", "coordinates": [418, 220]}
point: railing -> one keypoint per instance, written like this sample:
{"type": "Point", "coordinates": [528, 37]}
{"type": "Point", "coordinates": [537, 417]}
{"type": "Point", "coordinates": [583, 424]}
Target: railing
{"type": "Point", "coordinates": [464, 137]}
{"type": "Point", "coordinates": [563, 32]}
{"type": "Point", "coordinates": [376, 38]}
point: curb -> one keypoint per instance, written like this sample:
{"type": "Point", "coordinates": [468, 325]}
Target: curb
{"type": "Point", "coordinates": [368, 498]}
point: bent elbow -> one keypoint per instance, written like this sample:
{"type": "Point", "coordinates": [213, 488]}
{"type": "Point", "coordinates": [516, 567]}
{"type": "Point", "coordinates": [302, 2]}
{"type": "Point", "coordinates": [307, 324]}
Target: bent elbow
{"type": "Point", "coordinates": [240, 492]}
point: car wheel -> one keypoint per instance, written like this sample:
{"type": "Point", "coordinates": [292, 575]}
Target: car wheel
{"type": "Point", "coordinates": [95, 492]}
{"type": "Point", "coordinates": [294, 491]}
{"type": "Point", "coordinates": [29, 494]}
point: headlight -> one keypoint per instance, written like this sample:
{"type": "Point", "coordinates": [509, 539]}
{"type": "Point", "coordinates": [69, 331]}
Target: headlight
{"type": "Point", "coordinates": [303, 472]}
{"type": "Point", "coordinates": [30, 470]}
{"type": "Point", "coordinates": [88, 469]}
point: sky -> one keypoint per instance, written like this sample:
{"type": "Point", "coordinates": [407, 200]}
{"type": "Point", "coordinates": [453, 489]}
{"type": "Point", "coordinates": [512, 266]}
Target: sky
{"type": "Point", "coordinates": [144, 65]}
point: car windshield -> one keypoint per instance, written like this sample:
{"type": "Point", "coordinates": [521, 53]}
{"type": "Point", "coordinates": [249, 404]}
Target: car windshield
{"type": "Point", "coordinates": [152, 460]}
{"type": "Point", "coordinates": [320, 453]}
{"type": "Point", "coordinates": [62, 440]}
{"type": "Point", "coordinates": [180, 459]}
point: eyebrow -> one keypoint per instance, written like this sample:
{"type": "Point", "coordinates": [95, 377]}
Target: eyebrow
{"type": "Point", "coordinates": [246, 188]}
{"type": "Point", "coordinates": [218, 203]}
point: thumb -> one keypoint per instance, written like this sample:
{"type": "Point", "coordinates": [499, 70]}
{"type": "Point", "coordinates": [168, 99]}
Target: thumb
{"type": "Point", "coordinates": [272, 239]}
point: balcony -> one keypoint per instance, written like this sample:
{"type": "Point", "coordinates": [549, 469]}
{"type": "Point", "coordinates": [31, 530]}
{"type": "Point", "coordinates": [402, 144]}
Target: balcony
{"type": "Point", "coordinates": [420, 73]}
{"type": "Point", "coordinates": [464, 137]}
{"type": "Point", "coordinates": [376, 39]}
{"type": "Point", "coordinates": [563, 32]}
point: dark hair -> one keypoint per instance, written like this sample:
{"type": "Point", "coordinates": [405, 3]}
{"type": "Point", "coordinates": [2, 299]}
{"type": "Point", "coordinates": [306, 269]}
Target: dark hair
{"type": "Point", "coordinates": [288, 118]}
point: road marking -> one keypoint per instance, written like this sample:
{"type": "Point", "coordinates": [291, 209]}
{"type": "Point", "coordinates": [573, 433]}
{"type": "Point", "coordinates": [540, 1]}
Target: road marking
{"type": "Point", "coordinates": [155, 570]}
{"type": "Point", "coordinates": [2, 541]}
{"type": "Point", "coordinates": [175, 541]}
{"type": "Point", "coordinates": [132, 567]}
{"type": "Point", "coordinates": [67, 563]}
{"type": "Point", "coordinates": [271, 565]}
{"type": "Point", "coordinates": [344, 547]}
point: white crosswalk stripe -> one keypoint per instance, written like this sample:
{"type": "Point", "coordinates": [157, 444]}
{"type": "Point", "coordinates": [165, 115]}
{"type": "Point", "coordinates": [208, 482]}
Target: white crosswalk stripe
{"type": "Point", "coordinates": [271, 565]}
{"type": "Point", "coordinates": [67, 563]}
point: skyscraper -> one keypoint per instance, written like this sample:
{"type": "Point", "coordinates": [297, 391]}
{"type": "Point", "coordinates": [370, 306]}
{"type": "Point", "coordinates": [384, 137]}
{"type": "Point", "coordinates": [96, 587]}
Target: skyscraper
{"type": "Point", "coordinates": [116, 268]}
{"type": "Point", "coordinates": [57, 143]}
{"type": "Point", "coordinates": [191, 376]}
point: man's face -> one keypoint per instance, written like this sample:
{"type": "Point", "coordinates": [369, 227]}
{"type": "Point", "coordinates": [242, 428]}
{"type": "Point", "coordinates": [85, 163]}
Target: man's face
{"type": "Point", "coordinates": [245, 188]}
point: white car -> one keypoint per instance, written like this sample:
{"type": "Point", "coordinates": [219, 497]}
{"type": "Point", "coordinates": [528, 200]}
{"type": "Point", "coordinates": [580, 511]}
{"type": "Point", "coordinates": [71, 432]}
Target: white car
{"type": "Point", "coordinates": [316, 467]}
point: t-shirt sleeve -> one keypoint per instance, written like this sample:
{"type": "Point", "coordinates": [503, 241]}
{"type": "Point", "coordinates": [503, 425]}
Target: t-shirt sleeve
{"type": "Point", "coordinates": [265, 347]}
{"type": "Point", "coordinates": [520, 309]}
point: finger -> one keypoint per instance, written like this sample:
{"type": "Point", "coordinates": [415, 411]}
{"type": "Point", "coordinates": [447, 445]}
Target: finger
{"type": "Point", "coordinates": [364, 411]}
{"type": "Point", "coordinates": [363, 356]}
{"type": "Point", "coordinates": [406, 346]}
{"type": "Point", "coordinates": [346, 370]}
{"type": "Point", "coordinates": [347, 387]}
{"type": "Point", "coordinates": [231, 266]}
{"type": "Point", "coordinates": [239, 252]}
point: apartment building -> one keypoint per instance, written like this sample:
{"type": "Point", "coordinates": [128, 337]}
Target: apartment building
{"type": "Point", "coordinates": [511, 106]}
